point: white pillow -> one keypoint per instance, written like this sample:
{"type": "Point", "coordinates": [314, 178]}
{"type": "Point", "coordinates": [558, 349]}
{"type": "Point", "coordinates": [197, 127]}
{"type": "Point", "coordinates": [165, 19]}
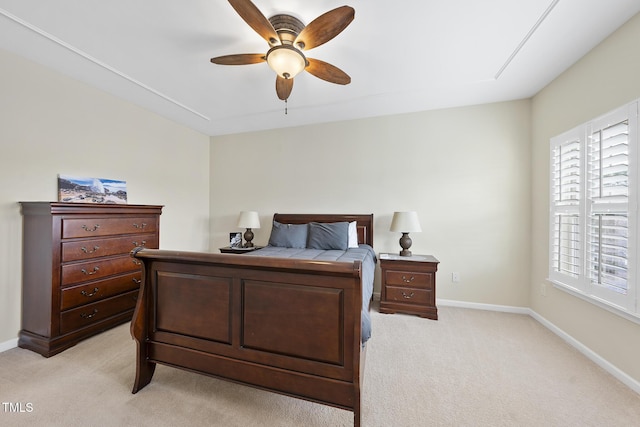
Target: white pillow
{"type": "Point", "coordinates": [353, 235]}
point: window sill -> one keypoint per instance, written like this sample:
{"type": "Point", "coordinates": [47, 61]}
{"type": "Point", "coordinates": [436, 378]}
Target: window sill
{"type": "Point", "coordinates": [633, 317]}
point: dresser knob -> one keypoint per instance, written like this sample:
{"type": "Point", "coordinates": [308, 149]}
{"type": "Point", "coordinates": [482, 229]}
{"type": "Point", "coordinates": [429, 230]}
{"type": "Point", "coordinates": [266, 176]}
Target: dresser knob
{"type": "Point", "coordinates": [144, 242]}
{"type": "Point", "coordinates": [87, 251]}
{"type": "Point", "coordinates": [89, 315]}
{"type": "Point", "coordinates": [94, 228]}
{"type": "Point", "coordinates": [409, 296]}
{"type": "Point", "coordinates": [137, 281]}
{"type": "Point", "coordinates": [89, 273]}
{"type": "Point", "coordinates": [141, 226]}
{"type": "Point", "coordinates": [89, 295]}
{"type": "Point", "coordinates": [409, 280]}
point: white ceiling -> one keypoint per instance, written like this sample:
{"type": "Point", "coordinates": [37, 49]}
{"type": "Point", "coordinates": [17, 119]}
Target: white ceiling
{"type": "Point", "coordinates": [402, 56]}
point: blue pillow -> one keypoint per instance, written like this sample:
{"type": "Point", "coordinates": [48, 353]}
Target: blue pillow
{"type": "Point", "coordinates": [288, 235]}
{"type": "Point", "coordinates": [328, 235]}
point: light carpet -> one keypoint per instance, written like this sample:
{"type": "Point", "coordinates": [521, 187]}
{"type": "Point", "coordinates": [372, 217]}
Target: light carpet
{"type": "Point", "coordinates": [470, 368]}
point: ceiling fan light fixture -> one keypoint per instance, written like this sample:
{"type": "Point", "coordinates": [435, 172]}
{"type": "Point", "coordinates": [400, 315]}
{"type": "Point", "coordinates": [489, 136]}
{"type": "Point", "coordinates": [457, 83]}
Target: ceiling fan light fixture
{"type": "Point", "coordinates": [288, 37]}
{"type": "Point", "coordinates": [286, 61]}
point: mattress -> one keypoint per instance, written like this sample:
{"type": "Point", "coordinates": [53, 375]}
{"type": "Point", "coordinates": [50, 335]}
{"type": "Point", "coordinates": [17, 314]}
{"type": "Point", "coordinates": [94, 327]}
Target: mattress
{"type": "Point", "coordinates": [363, 253]}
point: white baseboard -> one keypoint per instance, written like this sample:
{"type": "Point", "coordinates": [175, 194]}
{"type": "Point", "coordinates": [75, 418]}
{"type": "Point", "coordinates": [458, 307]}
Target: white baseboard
{"type": "Point", "coordinates": [8, 345]}
{"type": "Point", "coordinates": [586, 351]}
{"type": "Point", "coordinates": [590, 354]}
{"type": "Point", "coordinates": [480, 306]}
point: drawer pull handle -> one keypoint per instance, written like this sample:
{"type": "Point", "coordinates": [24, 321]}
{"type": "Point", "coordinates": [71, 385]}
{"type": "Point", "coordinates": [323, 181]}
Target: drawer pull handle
{"type": "Point", "coordinates": [409, 280]}
{"type": "Point", "coordinates": [141, 226]}
{"type": "Point", "coordinates": [89, 295]}
{"type": "Point", "coordinates": [404, 295]}
{"type": "Point", "coordinates": [144, 242]}
{"type": "Point", "coordinates": [90, 315]}
{"type": "Point", "coordinates": [136, 281]}
{"type": "Point", "coordinates": [136, 262]}
{"type": "Point", "coordinates": [89, 273]}
{"type": "Point", "coordinates": [94, 228]}
{"type": "Point", "coordinates": [89, 251]}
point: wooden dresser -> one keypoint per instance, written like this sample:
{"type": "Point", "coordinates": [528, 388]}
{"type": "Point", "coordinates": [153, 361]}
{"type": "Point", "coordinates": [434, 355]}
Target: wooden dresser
{"type": "Point", "coordinates": [408, 285]}
{"type": "Point", "coordinates": [78, 277]}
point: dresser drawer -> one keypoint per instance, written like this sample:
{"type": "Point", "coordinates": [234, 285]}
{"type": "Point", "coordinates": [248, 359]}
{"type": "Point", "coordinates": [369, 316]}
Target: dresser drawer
{"type": "Point", "coordinates": [409, 295]}
{"type": "Point", "coordinates": [89, 314]}
{"type": "Point", "coordinates": [87, 249]}
{"type": "Point", "coordinates": [407, 278]}
{"type": "Point", "coordinates": [88, 293]}
{"type": "Point", "coordinates": [99, 268]}
{"type": "Point", "coordinates": [90, 227]}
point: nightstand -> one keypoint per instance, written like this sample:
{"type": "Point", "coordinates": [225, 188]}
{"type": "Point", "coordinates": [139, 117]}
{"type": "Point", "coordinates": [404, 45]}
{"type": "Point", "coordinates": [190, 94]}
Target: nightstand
{"type": "Point", "coordinates": [230, 250]}
{"type": "Point", "coordinates": [408, 285]}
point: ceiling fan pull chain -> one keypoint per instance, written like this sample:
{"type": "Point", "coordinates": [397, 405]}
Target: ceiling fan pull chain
{"type": "Point", "coordinates": [285, 107]}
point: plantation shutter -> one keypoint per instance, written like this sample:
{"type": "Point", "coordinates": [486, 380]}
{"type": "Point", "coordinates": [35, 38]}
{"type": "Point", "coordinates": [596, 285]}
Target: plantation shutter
{"type": "Point", "coordinates": [608, 194]}
{"type": "Point", "coordinates": [565, 205]}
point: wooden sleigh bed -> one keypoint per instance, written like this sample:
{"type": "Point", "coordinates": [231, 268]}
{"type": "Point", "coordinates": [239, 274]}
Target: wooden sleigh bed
{"type": "Point", "coordinates": [292, 326]}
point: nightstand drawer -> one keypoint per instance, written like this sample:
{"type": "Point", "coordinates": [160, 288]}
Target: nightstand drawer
{"type": "Point", "coordinates": [408, 278]}
{"type": "Point", "coordinates": [409, 295]}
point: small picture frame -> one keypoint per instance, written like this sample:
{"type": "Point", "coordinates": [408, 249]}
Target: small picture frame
{"type": "Point", "coordinates": [235, 239]}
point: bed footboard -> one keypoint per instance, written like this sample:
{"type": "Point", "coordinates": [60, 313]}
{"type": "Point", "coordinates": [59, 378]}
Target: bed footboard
{"type": "Point", "coordinates": [284, 325]}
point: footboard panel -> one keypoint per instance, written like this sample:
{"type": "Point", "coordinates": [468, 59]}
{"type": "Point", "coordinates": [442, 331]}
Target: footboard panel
{"type": "Point", "coordinates": [192, 305]}
{"type": "Point", "coordinates": [285, 325]}
{"type": "Point", "coordinates": [305, 322]}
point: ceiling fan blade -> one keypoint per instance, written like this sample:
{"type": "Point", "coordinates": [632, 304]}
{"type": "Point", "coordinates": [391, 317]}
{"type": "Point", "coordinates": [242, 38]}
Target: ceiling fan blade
{"type": "Point", "coordinates": [283, 87]}
{"type": "Point", "coordinates": [239, 59]}
{"type": "Point", "coordinates": [256, 20]}
{"type": "Point", "coordinates": [325, 27]}
{"type": "Point", "coordinates": [325, 71]}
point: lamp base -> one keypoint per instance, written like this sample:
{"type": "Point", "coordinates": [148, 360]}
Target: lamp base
{"type": "Point", "coordinates": [248, 236]}
{"type": "Point", "coordinates": [405, 244]}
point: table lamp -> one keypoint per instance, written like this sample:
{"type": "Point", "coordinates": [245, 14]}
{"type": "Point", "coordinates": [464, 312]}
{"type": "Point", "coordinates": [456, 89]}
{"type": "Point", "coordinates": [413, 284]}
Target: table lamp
{"type": "Point", "coordinates": [248, 220]}
{"type": "Point", "coordinates": [405, 222]}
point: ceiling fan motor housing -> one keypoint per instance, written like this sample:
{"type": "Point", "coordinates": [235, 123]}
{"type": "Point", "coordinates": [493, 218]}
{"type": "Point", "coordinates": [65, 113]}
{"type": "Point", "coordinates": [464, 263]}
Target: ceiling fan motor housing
{"type": "Point", "coordinates": [288, 27]}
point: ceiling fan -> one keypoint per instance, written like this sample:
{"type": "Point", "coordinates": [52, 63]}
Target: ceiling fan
{"type": "Point", "coordinates": [288, 37]}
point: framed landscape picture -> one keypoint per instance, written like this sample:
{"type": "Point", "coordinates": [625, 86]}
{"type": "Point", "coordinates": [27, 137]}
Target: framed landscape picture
{"type": "Point", "coordinates": [73, 189]}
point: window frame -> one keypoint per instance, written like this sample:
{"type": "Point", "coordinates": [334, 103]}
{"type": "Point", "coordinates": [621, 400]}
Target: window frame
{"type": "Point", "coordinates": [580, 284]}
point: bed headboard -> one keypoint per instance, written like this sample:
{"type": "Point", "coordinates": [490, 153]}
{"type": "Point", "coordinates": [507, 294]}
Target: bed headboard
{"type": "Point", "coordinates": [364, 222]}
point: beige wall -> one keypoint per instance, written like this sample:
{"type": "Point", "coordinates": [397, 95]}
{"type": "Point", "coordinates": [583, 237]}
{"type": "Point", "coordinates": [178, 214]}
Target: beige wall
{"type": "Point", "coordinates": [50, 124]}
{"type": "Point", "coordinates": [606, 78]}
{"type": "Point", "coordinates": [466, 171]}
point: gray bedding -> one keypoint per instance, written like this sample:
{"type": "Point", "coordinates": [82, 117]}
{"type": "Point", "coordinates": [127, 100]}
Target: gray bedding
{"type": "Point", "coordinates": [364, 253]}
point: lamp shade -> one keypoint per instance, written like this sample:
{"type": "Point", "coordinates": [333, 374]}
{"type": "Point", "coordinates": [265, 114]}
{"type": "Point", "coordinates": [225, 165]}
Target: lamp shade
{"type": "Point", "coordinates": [248, 219]}
{"type": "Point", "coordinates": [405, 222]}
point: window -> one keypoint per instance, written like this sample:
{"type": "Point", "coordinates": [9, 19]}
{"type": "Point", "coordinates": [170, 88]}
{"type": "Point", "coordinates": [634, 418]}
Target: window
{"type": "Point", "coordinates": [593, 216]}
